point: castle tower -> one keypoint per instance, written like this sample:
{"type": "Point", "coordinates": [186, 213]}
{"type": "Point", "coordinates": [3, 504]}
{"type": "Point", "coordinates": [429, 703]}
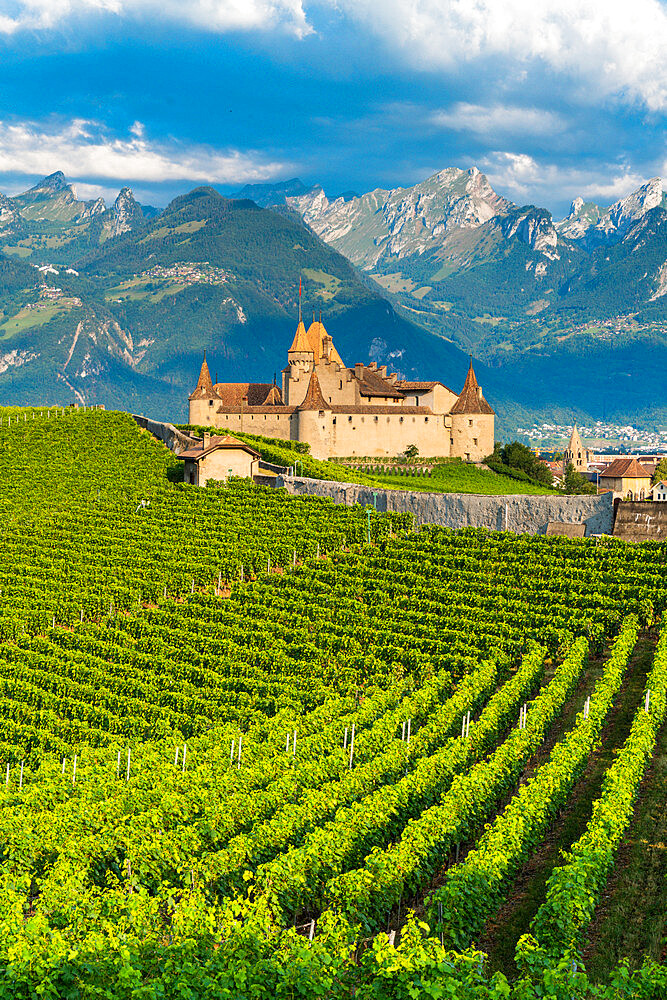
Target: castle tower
{"type": "Point", "coordinates": [300, 362]}
{"type": "Point", "coordinates": [314, 419]}
{"type": "Point", "coordinates": [576, 453]}
{"type": "Point", "coordinates": [202, 400]}
{"type": "Point", "coordinates": [472, 422]}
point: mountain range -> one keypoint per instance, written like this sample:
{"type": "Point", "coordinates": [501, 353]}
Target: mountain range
{"type": "Point", "coordinates": [116, 304]}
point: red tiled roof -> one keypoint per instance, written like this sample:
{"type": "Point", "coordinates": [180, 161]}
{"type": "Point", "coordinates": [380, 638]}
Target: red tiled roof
{"type": "Point", "coordinates": [375, 410]}
{"type": "Point", "coordinates": [409, 386]}
{"type": "Point", "coordinates": [314, 400]}
{"type": "Point", "coordinates": [471, 399]}
{"type": "Point", "coordinates": [242, 393]}
{"type": "Point", "coordinates": [225, 441]}
{"type": "Point", "coordinates": [372, 383]}
{"type": "Point", "coordinates": [204, 388]}
{"type": "Point", "coordinates": [628, 468]}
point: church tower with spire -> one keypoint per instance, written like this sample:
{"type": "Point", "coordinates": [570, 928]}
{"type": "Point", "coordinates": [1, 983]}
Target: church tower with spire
{"type": "Point", "coordinates": [576, 453]}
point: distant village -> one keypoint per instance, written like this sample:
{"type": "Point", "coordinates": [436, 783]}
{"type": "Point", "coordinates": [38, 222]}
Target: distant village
{"type": "Point", "coordinates": [629, 476]}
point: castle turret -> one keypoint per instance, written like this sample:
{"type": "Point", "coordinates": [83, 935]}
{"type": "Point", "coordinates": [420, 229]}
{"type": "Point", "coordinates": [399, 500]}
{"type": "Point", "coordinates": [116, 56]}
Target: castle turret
{"type": "Point", "coordinates": [314, 419]}
{"type": "Point", "coordinates": [203, 398]}
{"type": "Point", "coordinates": [472, 422]}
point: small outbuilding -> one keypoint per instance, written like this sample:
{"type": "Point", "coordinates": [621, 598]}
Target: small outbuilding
{"type": "Point", "coordinates": [219, 458]}
{"type": "Point", "coordinates": [659, 491]}
{"type": "Point", "coordinates": [627, 479]}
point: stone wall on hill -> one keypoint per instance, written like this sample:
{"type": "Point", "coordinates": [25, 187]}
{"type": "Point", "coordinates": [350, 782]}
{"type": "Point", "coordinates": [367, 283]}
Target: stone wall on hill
{"type": "Point", "coordinates": [641, 521]}
{"type": "Point", "coordinates": [523, 514]}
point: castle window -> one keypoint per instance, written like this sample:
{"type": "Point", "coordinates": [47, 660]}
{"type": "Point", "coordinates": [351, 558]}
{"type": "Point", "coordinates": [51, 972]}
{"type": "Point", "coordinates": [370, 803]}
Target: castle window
{"type": "Point", "coordinates": [341, 384]}
{"type": "Point", "coordinates": [210, 402]}
{"type": "Point", "coordinates": [350, 419]}
{"type": "Point", "coordinates": [470, 423]}
{"type": "Point", "coordinates": [333, 421]}
{"type": "Point", "coordinates": [376, 420]}
{"type": "Point", "coordinates": [400, 420]}
{"type": "Point", "coordinates": [474, 441]}
{"type": "Point", "coordinates": [467, 456]}
{"type": "Point", "coordinates": [425, 420]}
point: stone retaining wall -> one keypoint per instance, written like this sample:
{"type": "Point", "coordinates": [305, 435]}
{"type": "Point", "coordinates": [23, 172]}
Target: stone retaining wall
{"type": "Point", "coordinates": [519, 513]}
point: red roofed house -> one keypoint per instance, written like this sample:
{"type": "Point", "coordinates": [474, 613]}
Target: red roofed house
{"type": "Point", "coordinates": [627, 478]}
{"type": "Point", "coordinates": [344, 411]}
{"type": "Point", "coordinates": [218, 458]}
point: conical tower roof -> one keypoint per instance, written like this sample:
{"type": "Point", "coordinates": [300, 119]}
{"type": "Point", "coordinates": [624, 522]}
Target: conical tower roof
{"type": "Point", "coordinates": [314, 400]}
{"type": "Point", "coordinates": [316, 334]}
{"type": "Point", "coordinates": [204, 387]}
{"type": "Point", "coordinates": [300, 342]}
{"type": "Point", "coordinates": [575, 443]}
{"type": "Point", "coordinates": [471, 399]}
{"type": "Point", "coordinates": [273, 398]}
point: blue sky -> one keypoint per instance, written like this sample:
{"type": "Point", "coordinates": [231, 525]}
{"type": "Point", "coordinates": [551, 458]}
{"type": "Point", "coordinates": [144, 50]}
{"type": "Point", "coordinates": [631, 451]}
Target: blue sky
{"type": "Point", "coordinates": [551, 99]}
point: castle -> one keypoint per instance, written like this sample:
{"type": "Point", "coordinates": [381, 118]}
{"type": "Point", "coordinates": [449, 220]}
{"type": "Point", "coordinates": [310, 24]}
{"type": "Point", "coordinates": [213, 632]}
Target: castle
{"type": "Point", "coordinates": [343, 411]}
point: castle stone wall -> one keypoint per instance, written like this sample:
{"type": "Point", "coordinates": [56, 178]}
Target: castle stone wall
{"type": "Point", "coordinates": [174, 439]}
{"type": "Point", "coordinates": [521, 514]}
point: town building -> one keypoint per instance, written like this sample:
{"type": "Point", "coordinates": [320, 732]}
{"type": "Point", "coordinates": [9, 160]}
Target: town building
{"type": "Point", "coordinates": [576, 453]}
{"type": "Point", "coordinates": [659, 491]}
{"type": "Point", "coordinates": [627, 479]}
{"type": "Point", "coordinates": [341, 411]}
{"type": "Point", "coordinates": [218, 458]}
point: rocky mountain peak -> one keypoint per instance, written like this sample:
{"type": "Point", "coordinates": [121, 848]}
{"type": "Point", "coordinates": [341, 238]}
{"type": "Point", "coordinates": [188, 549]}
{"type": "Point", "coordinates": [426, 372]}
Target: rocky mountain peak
{"type": "Point", "coordinates": [125, 212]}
{"type": "Point", "coordinates": [407, 220]}
{"type": "Point", "coordinates": [53, 182]}
{"type": "Point", "coordinates": [535, 228]}
{"type": "Point", "coordinates": [576, 207]}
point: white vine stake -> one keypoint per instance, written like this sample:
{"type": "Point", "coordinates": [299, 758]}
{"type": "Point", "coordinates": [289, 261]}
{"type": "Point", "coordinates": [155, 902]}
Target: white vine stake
{"type": "Point", "coordinates": [294, 744]}
{"type": "Point", "coordinates": [468, 725]}
{"type": "Point", "coordinates": [74, 771]}
{"type": "Point", "coordinates": [176, 758]}
{"type": "Point", "coordinates": [231, 755]}
{"type": "Point", "coordinates": [311, 933]}
{"type": "Point", "coordinates": [241, 741]}
{"type": "Point", "coordinates": [64, 762]}
{"type": "Point", "coordinates": [345, 740]}
{"type": "Point", "coordinates": [352, 746]}
{"type": "Point", "coordinates": [648, 700]}
{"type": "Point", "coordinates": [403, 732]}
{"type": "Point", "coordinates": [407, 739]}
{"type": "Point", "coordinates": [185, 750]}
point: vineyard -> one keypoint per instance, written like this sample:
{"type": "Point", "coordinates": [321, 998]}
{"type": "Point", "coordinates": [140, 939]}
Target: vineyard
{"type": "Point", "coordinates": [262, 746]}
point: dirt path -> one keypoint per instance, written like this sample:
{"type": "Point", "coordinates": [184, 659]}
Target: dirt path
{"type": "Point", "coordinates": [562, 723]}
{"type": "Point", "coordinates": [528, 891]}
{"type": "Point", "coordinates": [631, 917]}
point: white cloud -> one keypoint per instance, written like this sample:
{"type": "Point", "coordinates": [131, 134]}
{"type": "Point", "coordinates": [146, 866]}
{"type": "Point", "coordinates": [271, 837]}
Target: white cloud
{"type": "Point", "coordinates": [607, 46]}
{"type": "Point", "coordinates": [85, 149]}
{"type": "Point", "coordinates": [527, 180]}
{"type": "Point", "coordinates": [498, 119]}
{"type": "Point", "coordinates": [211, 15]}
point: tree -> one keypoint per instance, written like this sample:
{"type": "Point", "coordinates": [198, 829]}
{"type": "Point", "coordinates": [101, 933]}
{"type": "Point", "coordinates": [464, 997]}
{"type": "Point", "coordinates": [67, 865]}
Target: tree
{"type": "Point", "coordinates": [660, 471]}
{"type": "Point", "coordinates": [411, 451]}
{"type": "Point", "coordinates": [574, 482]}
{"type": "Point", "coordinates": [519, 456]}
